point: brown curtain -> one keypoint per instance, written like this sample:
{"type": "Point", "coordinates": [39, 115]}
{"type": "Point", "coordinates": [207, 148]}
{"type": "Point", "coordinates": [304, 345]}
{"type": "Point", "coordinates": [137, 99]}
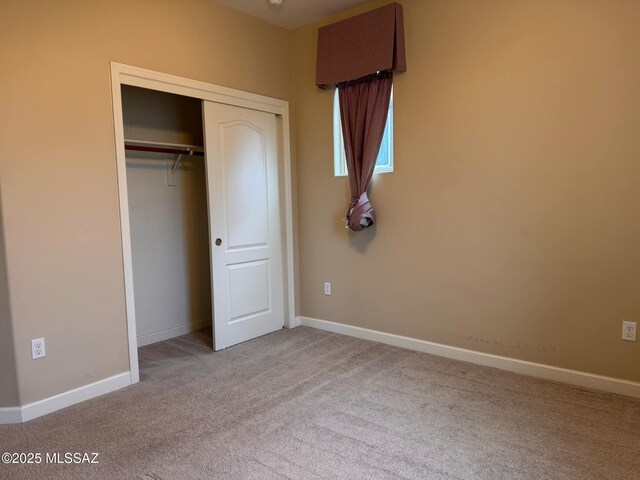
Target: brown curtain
{"type": "Point", "coordinates": [364, 104]}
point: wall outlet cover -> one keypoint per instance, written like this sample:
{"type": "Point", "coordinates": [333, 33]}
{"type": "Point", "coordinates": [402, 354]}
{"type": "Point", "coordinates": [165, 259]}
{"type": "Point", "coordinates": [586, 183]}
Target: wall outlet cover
{"type": "Point", "coordinates": [327, 288]}
{"type": "Point", "coordinates": [629, 331]}
{"type": "Point", "coordinates": [37, 348]}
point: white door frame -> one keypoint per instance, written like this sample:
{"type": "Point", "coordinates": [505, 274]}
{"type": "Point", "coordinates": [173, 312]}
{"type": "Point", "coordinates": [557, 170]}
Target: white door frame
{"type": "Point", "coordinates": [138, 77]}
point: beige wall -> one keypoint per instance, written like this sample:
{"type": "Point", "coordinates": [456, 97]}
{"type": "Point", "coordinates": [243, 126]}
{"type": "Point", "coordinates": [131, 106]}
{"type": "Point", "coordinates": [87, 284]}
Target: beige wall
{"type": "Point", "coordinates": [57, 159]}
{"type": "Point", "coordinates": [8, 380]}
{"type": "Point", "coordinates": [512, 222]}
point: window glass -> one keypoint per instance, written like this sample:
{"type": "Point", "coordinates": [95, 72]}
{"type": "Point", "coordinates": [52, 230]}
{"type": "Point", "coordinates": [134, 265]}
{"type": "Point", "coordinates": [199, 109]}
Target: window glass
{"type": "Point", "coordinates": [384, 162]}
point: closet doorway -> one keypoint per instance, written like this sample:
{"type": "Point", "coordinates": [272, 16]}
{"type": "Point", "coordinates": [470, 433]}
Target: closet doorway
{"type": "Point", "coordinates": [166, 186]}
{"type": "Point", "coordinates": [205, 201]}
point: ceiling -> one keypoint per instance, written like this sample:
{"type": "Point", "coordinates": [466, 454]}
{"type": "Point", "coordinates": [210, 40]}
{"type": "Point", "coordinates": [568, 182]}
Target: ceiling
{"type": "Point", "coordinates": [293, 13]}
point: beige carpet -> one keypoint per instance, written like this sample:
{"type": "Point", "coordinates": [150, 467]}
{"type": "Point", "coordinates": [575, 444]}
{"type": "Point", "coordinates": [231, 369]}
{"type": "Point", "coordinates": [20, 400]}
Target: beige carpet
{"type": "Point", "coordinates": [305, 403]}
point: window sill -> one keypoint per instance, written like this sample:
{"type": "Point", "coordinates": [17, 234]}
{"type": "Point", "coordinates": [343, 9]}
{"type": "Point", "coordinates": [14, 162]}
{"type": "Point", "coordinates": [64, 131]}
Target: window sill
{"type": "Point", "coordinates": [338, 175]}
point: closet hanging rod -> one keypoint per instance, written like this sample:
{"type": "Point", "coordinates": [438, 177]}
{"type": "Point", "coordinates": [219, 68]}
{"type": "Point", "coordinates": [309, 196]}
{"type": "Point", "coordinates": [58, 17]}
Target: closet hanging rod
{"type": "Point", "coordinates": [163, 147]}
{"type": "Point", "coordinates": [174, 151]}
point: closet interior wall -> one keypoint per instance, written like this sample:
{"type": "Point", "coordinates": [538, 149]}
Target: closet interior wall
{"type": "Point", "coordinates": [169, 223]}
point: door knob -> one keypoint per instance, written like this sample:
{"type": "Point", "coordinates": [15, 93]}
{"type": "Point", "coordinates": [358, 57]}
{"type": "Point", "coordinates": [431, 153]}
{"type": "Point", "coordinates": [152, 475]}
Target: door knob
{"type": "Point", "coordinates": [218, 242]}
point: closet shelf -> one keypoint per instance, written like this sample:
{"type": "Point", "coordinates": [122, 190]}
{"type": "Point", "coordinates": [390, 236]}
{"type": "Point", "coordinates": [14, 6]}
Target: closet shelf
{"type": "Point", "coordinates": [179, 149]}
{"type": "Point", "coordinates": [163, 147]}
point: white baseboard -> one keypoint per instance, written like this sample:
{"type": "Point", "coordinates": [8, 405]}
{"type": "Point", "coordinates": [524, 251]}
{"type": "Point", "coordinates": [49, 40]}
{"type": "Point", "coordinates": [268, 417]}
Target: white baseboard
{"type": "Point", "coordinates": [573, 377]}
{"type": "Point", "coordinates": [63, 400]}
{"type": "Point", "coordinates": [295, 322]}
{"type": "Point", "coordinates": [10, 415]}
{"type": "Point", "coordinates": [172, 332]}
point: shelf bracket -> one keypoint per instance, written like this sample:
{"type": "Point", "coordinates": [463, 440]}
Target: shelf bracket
{"type": "Point", "coordinates": [175, 164]}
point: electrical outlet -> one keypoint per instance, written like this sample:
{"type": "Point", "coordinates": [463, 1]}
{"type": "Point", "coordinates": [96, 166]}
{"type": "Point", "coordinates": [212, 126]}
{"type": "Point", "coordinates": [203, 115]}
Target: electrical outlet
{"type": "Point", "coordinates": [629, 331]}
{"type": "Point", "coordinates": [327, 288]}
{"type": "Point", "coordinates": [37, 348]}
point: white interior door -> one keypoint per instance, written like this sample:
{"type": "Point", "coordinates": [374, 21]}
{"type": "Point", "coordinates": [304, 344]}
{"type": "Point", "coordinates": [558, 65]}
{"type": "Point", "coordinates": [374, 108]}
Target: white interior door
{"type": "Point", "coordinates": [244, 216]}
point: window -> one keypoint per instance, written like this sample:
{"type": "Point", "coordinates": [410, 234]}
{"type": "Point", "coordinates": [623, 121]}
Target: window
{"type": "Point", "coordinates": [384, 162]}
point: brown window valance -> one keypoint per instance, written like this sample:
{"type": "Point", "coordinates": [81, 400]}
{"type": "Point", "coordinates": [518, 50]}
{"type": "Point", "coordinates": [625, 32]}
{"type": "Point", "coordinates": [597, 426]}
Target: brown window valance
{"type": "Point", "coordinates": [361, 45]}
